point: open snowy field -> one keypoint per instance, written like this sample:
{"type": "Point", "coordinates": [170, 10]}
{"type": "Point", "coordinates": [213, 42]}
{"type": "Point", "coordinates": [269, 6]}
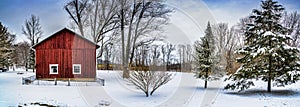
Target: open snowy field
{"type": "Point", "coordinates": [182, 91]}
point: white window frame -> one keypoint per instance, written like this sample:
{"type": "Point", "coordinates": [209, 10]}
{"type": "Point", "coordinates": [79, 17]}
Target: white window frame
{"type": "Point", "coordinates": [79, 68]}
{"type": "Point", "coordinates": [50, 71]}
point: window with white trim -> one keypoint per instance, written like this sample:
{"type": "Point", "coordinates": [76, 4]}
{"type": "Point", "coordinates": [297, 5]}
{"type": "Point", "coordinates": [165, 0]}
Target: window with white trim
{"type": "Point", "coordinates": [53, 68]}
{"type": "Point", "coordinates": [76, 68]}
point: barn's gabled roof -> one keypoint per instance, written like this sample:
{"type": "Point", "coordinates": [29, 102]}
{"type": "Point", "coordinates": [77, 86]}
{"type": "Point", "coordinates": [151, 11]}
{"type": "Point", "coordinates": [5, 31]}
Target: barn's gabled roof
{"type": "Point", "coordinates": [65, 29]}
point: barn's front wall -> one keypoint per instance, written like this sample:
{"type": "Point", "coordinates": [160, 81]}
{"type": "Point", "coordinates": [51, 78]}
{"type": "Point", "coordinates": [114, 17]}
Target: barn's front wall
{"type": "Point", "coordinates": [65, 49]}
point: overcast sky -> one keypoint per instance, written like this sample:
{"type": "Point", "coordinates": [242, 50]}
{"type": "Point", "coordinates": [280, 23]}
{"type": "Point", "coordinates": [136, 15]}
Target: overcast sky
{"type": "Point", "coordinates": [187, 23]}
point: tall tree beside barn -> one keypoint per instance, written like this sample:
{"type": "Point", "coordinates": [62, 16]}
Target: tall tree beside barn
{"type": "Point", "coordinates": [97, 18]}
{"type": "Point", "coordinates": [140, 20]}
{"type": "Point", "coordinates": [6, 41]}
{"type": "Point", "coordinates": [33, 30]}
{"type": "Point", "coordinates": [133, 20]}
{"type": "Point", "coordinates": [206, 58]}
{"type": "Point", "coordinates": [77, 11]}
{"type": "Point", "coordinates": [267, 54]}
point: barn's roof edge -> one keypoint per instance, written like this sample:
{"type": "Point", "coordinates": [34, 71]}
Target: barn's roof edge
{"type": "Point", "coordinates": [97, 46]}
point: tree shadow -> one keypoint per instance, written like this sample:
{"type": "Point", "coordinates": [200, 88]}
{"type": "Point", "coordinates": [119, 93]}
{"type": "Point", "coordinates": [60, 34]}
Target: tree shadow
{"type": "Point", "coordinates": [199, 88]}
{"type": "Point", "coordinates": [209, 88]}
{"type": "Point", "coordinates": [275, 93]}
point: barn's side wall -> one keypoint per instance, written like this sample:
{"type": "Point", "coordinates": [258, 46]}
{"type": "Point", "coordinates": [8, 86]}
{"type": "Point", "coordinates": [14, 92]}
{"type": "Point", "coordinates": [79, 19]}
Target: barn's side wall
{"type": "Point", "coordinates": [65, 49]}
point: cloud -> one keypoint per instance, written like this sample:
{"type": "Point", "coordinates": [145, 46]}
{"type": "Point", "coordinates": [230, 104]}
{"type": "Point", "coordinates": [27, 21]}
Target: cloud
{"type": "Point", "coordinates": [230, 11]}
{"type": "Point", "coordinates": [189, 21]}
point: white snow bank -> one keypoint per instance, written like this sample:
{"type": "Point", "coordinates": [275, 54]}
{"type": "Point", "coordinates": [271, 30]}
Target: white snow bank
{"type": "Point", "coordinates": [126, 94]}
{"type": "Point", "coordinates": [183, 91]}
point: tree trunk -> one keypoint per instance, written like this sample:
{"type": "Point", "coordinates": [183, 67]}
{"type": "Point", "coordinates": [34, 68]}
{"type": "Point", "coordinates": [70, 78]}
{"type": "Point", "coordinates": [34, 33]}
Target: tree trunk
{"type": "Point", "coordinates": [124, 64]}
{"type": "Point", "coordinates": [269, 82]}
{"type": "Point", "coordinates": [131, 56]}
{"type": "Point", "coordinates": [270, 68]}
{"type": "Point", "coordinates": [125, 72]}
{"type": "Point", "coordinates": [33, 68]}
{"type": "Point", "coordinates": [128, 45]}
{"type": "Point", "coordinates": [206, 76]}
{"type": "Point", "coordinates": [153, 91]}
{"type": "Point", "coordinates": [147, 94]}
{"type": "Point", "coordinates": [26, 66]}
{"type": "Point", "coordinates": [205, 83]}
{"type": "Point", "coordinates": [107, 66]}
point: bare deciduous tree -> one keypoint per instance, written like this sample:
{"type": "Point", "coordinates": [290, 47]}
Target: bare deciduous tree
{"type": "Point", "coordinates": [181, 53]}
{"type": "Point", "coordinates": [97, 18]}
{"type": "Point", "coordinates": [33, 30]}
{"type": "Point", "coordinates": [292, 22]}
{"type": "Point", "coordinates": [228, 40]}
{"type": "Point", "coordinates": [154, 54]}
{"type": "Point", "coordinates": [166, 51]}
{"type": "Point", "coordinates": [140, 18]}
{"type": "Point", "coordinates": [22, 50]}
{"type": "Point", "coordinates": [77, 11]}
{"type": "Point", "coordinates": [139, 21]}
{"type": "Point", "coordinates": [185, 57]}
{"type": "Point", "coordinates": [149, 81]}
{"type": "Point", "coordinates": [103, 22]}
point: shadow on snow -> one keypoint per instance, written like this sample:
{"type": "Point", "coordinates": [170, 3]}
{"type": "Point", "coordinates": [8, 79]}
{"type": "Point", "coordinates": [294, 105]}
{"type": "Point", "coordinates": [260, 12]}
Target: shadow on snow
{"type": "Point", "coordinates": [275, 93]}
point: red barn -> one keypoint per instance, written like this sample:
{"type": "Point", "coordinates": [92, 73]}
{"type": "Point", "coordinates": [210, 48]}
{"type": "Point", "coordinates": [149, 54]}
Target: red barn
{"type": "Point", "coordinates": [65, 55]}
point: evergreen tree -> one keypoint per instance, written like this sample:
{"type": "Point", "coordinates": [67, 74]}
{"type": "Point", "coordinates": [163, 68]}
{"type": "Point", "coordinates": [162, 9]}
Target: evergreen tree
{"type": "Point", "coordinates": [207, 68]}
{"type": "Point", "coordinates": [6, 40]}
{"type": "Point", "coordinates": [266, 54]}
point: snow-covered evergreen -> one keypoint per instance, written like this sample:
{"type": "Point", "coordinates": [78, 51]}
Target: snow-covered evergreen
{"type": "Point", "coordinates": [6, 40]}
{"type": "Point", "coordinates": [267, 54]}
{"type": "Point", "coordinates": [206, 57]}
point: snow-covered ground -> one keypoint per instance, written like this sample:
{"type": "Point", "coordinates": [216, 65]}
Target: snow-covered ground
{"type": "Point", "coordinates": [182, 91]}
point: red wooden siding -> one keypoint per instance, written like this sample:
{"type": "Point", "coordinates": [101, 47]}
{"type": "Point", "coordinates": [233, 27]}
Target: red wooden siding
{"type": "Point", "coordinates": [65, 48]}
